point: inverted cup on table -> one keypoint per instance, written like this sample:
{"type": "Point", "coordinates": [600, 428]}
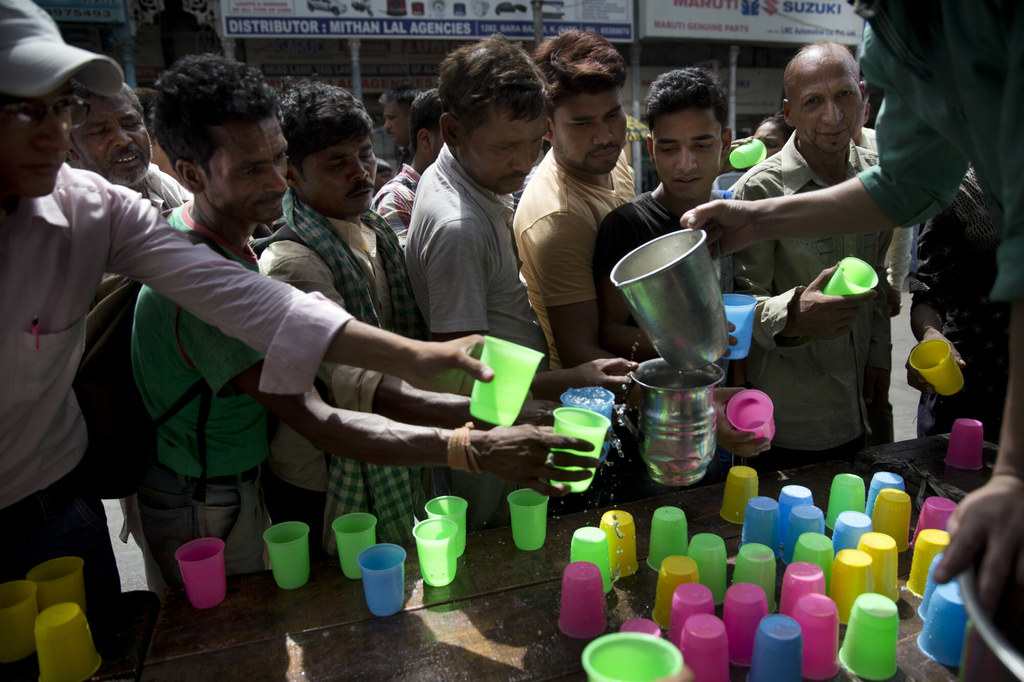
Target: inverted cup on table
{"type": "Point", "coordinates": [778, 649]}
{"type": "Point", "coordinates": [761, 524]}
{"type": "Point", "coordinates": [791, 496]}
{"type": "Point", "coordinates": [869, 647]}
{"type": "Point", "coordinates": [436, 548]}
{"type": "Point", "coordinates": [499, 400]}
{"type": "Point", "coordinates": [202, 570]}
{"type": "Point", "coordinates": [591, 544]}
{"type": "Point", "coordinates": [383, 570]}
{"type": "Point", "coordinates": [942, 637]}
{"type": "Point", "coordinates": [454, 508]}
{"type": "Point", "coordinates": [353, 533]}
{"type": "Point", "coordinates": [64, 644]}
{"type": "Point", "coordinates": [708, 648]}
{"type": "Point", "coordinates": [852, 576]}
{"type": "Point", "coordinates": [816, 548]}
{"type": "Point", "coordinates": [882, 550]}
{"type": "Point", "coordinates": [880, 481]}
{"type": "Point", "coordinates": [802, 519]}
{"type": "Point", "coordinates": [581, 614]}
{"type": "Point", "coordinates": [744, 608]}
{"type": "Point", "coordinates": [675, 571]}
{"type": "Point", "coordinates": [933, 359]}
{"type": "Point", "coordinates": [618, 526]}
{"type": "Point", "coordinates": [892, 516]}
{"type": "Point", "coordinates": [819, 624]}
{"type": "Point", "coordinates": [755, 564]}
{"type": "Point", "coordinates": [288, 546]}
{"type": "Point", "coordinates": [595, 399]}
{"type": "Point", "coordinates": [668, 535]}
{"type": "Point", "coordinates": [688, 599]}
{"type": "Point", "coordinates": [850, 525]}
{"type": "Point", "coordinates": [965, 444]}
{"type": "Point", "coordinates": [18, 611]}
{"type": "Point", "coordinates": [934, 514]}
{"type": "Point", "coordinates": [59, 580]}
{"type": "Point", "coordinates": [929, 588]}
{"type": "Point", "coordinates": [642, 625]}
{"type": "Point", "coordinates": [846, 494]}
{"type": "Point", "coordinates": [585, 425]}
{"type": "Point", "coordinates": [930, 542]}
{"type": "Point", "coordinates": [528, 510]}
{"type": "Point", "coordinates": [853, 276]}
{"type": "Point", "coordinates": [739, 309]}
{"type": "Point", "coordinates": [740, 486]}
{"type": "Point", "coordinates": [799, 579]}
{"type": "Point", "coordinates": [708, 552]}
{"type": "Point", "coordinates": [630, 657]}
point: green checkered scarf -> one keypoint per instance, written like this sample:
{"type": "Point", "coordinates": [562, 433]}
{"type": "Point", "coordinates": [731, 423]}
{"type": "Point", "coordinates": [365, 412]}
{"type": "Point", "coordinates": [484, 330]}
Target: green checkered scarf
{"type": "Point", "coordinates": [392, 494]}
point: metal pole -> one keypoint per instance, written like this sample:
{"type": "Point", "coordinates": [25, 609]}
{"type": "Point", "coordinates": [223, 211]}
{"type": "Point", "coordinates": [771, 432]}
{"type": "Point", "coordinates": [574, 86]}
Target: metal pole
{"type": "Point", "coordinates": [637, 145]}
{"type": "Point", "coordinates": [538, 22]}
{"type": "Point", "coordinates": [354, 45]}
{"type": "Point", "coordinates": [734, 58]}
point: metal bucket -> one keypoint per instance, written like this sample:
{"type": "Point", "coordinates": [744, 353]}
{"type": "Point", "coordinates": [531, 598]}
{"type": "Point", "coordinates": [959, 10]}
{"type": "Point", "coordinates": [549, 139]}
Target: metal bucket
{"type": "Point", "coordinates": [989, 654]}
{"type": "Point", "coordinates": [677, 420]}
{"type": "Point", "coordinates": [673, 292]}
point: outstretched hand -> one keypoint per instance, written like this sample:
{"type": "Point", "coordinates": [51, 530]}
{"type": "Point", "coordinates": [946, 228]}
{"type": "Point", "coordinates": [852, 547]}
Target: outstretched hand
{"type": "Point", "coordinates": [729, 224]}
{"type": "Point", "coordinates": [819, 315]}
{"type": "Point", "coordinates": [914, 377]}
{"type": "Point", "coordinates": [522, 454]}
{"type": "Point", "coordinates": [448, 366]}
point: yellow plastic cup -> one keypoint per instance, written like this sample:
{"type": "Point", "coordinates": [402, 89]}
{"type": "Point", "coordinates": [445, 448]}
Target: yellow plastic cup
{"type": "Point", "coordinates": [18, 611]}
{"type": "Point", "coordinates": [930, 542]}
{"type": "Point", "coordinates": [882, 550]}
{"type": "Point", "coordinates": [59, 580]}
{"type": "Point", "coordinates": [621, 531]}
{"type": "Point", "coordinates": [740, 486]}
{"type": "Point", "coordinates": [934, 361]}
{"type": "Point", "coordinates": [852, 576]}
{"type": "Point", "coordinates": [64, 644]}
{"type": "Point", "coordinates": [675, 571]}
{"type": "Point", "coordinates": [500, 400]}
{"type": "Point", "coordinates": [891, 516]}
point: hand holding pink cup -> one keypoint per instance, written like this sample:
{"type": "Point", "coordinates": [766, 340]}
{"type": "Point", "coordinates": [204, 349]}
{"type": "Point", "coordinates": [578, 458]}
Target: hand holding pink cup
{"type": "Point", "coordinates": [752, 411]}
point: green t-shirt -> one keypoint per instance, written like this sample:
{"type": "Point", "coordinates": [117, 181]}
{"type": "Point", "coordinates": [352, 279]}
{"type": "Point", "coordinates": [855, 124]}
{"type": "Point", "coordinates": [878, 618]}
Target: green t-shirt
{"type": "Point", "coordinates": [163, 336]}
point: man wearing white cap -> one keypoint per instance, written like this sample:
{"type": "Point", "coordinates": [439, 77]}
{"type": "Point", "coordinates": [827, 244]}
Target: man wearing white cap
{"type": "Point", "coordinates": [60, 230]}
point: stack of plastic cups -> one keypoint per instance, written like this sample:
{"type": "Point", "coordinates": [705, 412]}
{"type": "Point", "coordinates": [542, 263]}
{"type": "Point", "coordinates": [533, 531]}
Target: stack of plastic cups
{"type": "Point", "coordinates": [689, 599]}
{"type": "Point", "coordinates": [934, 514]}
{"type": "Point", "coordinates": [582, 606]}
{"type": "Point", "coordinates": [802, 519]}
{"type": "Point", "coordinates": [791, 496]}
{"type": "Point", "coordinates": [819, 622]}
{"type": "Point", "coordinates": [892, 516]}
{"type": "Point", "coordinates": [708, 552]}
{"type": "Point", "coordinates": [799, 579]}
{"type": "Point", "coordinates": [740, 486]}
{"type": "Point", "coordinates": [778, 651]}
{"type": "Point", "coordinates": [668, 535]}
{"type": "Point", "coordinates": [846, 494]}
{"type": "Point", "coordinates": [816, 548]}
{"type": "Point", "coordinates": [591, 544]}
{"type": "Point", "coordinates": [850, 525]}
{"type": "Point", "coordinates": [675, 571]}
{"type": "Point", "coordinates": [631, 656]}
{"type": "Point", "coordinates": [869, 647]}
{"type": "Point", "coordinates": [922, 610]}
{"type": "Point", "coordinates": [755, 564]}
{"type": "Point", "coordinates": [705, 639]}
{"type": "Point", "coordinates": [882, 550]}
{"type": "Point", "coordinates": [880, 481]}
{"type": "Point", "coordinates": [620, 530]}
{"type": "Point", "coordinates": [942, 637]}
{"type": "Point", "coordinates": [744, 608]}
{"type": "Point", "coordinates": [761, 524]}
{"type": "Point", "coordinates": [852, 576]}
{"type": "Point", "coordinates": [929, 543]}
{"type": "Point", "coordinates": [453, 508]}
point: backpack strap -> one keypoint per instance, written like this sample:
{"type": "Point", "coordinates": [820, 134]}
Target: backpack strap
{"type": "Point", "coordinates": [285, 233]}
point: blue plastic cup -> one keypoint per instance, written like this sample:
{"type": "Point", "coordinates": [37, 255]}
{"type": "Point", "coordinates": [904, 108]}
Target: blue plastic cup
{"type": "Point", "coordinates": [802, 519]}
{"type": "Point", "coordinates": [761, 524]}
{"type": "Point", "coordinates": [595, 399]}
{"type": "Point", "coordinates": [881, 480]}
{"type": "Point", "coordinates": [850, 525]}
{"type": "Point", "coordinates": [929, 587]}
{"type": "Point", "coordinates": [383, 569]}
{"type": "Point", "coordinates": [739, 309]}
{"type": "Point", "coordinates": [942, 637]}
{"type": "Point", "coordinates": [791, 496]}
{"type": "Point", "coordinates": [778, 651]}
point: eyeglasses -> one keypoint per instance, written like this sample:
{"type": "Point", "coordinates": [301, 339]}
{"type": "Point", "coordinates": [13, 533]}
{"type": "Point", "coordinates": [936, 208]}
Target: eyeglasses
{"type": "Point", "coordinates": [70, 110]}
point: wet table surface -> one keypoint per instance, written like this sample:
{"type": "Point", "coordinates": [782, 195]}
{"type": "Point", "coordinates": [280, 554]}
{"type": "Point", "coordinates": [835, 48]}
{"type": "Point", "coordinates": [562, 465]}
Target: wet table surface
{"type": "Point", "coordinates": [498, 619]}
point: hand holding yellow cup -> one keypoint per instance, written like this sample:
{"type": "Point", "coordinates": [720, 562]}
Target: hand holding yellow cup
{"type": "Point", "coordinates": [934, 360]}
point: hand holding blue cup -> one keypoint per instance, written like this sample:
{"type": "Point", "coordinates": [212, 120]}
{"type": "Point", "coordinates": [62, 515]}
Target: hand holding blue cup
{"type": "Point", "coordinates": [739, 310]}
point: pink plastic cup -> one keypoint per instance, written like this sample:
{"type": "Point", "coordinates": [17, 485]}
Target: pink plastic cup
{"type": "Point", "coordinates": [641, 625]}
{"type": "Point", "coordinates": [934, 514]}
{"type": "Point", "coordinates": [689, 599]}
{"type": "Point", "coordinates": [965, 439]}
{"type": "Point", "coordinates": [752, 411]}
{"type": "Point", "coordinates": [800, 578]}
{"type": "Point", "coordinates": [202, 569]}
{"type": "Point", "coordinates": [582, 612]}
{"type": "Point", "coordinates": [705, 639]}
{"type": "Point", "coordinates": [745, 606]}
{"type": "Point", "coordinates": [819, 621]}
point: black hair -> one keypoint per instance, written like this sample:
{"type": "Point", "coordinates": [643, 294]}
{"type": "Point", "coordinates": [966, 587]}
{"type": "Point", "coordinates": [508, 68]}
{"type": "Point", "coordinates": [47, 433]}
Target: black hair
{"type": "Point", "coordinates": [403, 94]}
{"type": "Point", "coordinates": [315, 116]}
{"type": "Point", "coordinates": [688, 88]}
{"type": "Point", "coordinates": [425, 114]}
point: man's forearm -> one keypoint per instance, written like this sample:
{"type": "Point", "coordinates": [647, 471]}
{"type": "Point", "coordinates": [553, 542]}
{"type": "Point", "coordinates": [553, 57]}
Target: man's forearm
{"type": "Point", "coordinates": [396, 399]}
{"type": "Point", "coordinates": [1011, 437]}
{"type": "Point", "coordinates": [846, 208]}
{"type": "Point", "coordinates": [366, 346]}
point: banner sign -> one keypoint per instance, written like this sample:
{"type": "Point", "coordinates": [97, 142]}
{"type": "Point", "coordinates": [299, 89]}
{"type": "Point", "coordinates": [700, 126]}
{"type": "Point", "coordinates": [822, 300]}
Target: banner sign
{"type": "Point", "coordinates": [85, 11]}
{"type": "Point", "coordinates": [425, 19]}
{"type": "Point", "coordinates": [753, 21]}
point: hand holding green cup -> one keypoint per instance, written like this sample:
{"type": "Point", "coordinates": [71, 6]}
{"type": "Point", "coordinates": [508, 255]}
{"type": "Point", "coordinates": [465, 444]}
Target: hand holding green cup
{"type": "Point", "coordinates": [853, 276]}
{"type": "Point", "coordinates": [500, 400]}
{"type": "Point", "coordinates": [585, 425]}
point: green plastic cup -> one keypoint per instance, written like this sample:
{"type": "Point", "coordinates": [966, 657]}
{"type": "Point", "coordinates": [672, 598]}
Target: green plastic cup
{"type": "Point", "coordinates": [454, 508]}
{"type": "Point", "coordinates": [708, 551]}
{"type": "Point", "coordinates": [816, 548]}
{"type": "Point", "coordinates": [591, 544]}
{"type": "Point", "coordinates": [529, 512]}
{"type": "Point", "coordinates": [499, 400]}
{"type": "Point", "coordinates": [749, 154]}
{"type": "Point", "coordinates": [853, 276]}
{"type": "Point", "coordinates": [846, 494]}
{"type": "Point", "coordinates": [435, 545]}
{"type": "Point", "coordinates": [585, 425]}
{"type": "Point", "coordinates": [933, 359]}
{"type": "Point", "coordinates": [755, 564]}
{"type": "Point", "coordinates": [668, 535]}
{"type": "Point", "coordinates": [288, 546]}
{"type": "Point", "coordinates": [631, 657]}
{"type": "Point", "coordinates": [354, 532]}
{"type": "Point", "coordinates": [869, 648]}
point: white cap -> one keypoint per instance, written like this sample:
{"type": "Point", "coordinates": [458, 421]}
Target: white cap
{"type": "Point", "coordinates": [35, 60]}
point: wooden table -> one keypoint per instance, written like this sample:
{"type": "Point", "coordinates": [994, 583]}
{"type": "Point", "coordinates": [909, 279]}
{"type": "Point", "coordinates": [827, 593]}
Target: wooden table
{"type": "Point", "coordinates": [496, 621]}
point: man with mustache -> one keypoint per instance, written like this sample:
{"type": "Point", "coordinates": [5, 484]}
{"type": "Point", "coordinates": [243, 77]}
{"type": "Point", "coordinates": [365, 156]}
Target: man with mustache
{"type": "Point", "coordinates": [581, 179]}
{"type": "Point", "coordinates": [113, 141]}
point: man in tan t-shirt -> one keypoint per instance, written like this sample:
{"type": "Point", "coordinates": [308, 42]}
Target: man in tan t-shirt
{"type": "Point", "coordinates": [581, 179]}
